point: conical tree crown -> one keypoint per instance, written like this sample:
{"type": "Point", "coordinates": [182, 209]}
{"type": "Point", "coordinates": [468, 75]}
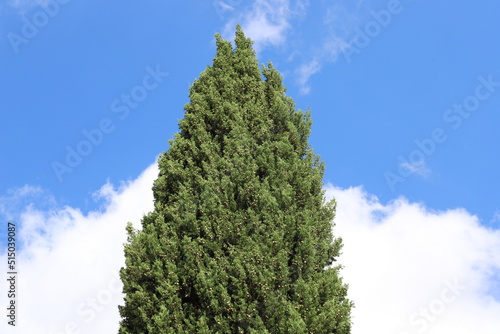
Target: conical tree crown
{"type": "Point", "coordinates": [240, 240]}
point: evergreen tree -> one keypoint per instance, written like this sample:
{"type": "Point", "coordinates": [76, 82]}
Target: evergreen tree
{"type": "Point", "coordinates": [240, 239]}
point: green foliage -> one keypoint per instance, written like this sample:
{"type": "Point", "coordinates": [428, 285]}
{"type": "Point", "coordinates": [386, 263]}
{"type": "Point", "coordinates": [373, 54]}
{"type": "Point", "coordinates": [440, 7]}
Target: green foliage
{"type": "Point", "coordinates": [240, 240]}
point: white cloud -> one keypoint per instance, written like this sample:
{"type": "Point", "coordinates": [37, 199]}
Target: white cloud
{"type": "Point", "coordinates": [69, 264]}
{"type": "Point", "coordinates": [412, 270]}
{"type": "Point", "coordinates": [401, 260]}
{"type": "Point", "coordinates": [266, 22]}
{"type": "Point", "coordinates": [271, 23]}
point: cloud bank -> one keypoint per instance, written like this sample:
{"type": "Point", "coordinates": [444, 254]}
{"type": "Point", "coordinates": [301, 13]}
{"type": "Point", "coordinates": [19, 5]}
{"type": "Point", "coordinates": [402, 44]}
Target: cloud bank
{"type": "Point", "coordinates": [414, 270]}
{"type": "Point", "coordinates": [68, 266]}
{"type": "Point", "coordinates": [410, 269]}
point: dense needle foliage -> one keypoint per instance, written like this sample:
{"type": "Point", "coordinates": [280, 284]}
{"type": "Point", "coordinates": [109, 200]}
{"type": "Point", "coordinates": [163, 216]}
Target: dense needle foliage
{"type": "Point", "coordinates": [240, 240]}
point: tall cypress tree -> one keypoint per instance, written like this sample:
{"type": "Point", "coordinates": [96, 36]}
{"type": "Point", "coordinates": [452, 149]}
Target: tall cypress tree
{"type": "Point", "coordinates": [240, 239]}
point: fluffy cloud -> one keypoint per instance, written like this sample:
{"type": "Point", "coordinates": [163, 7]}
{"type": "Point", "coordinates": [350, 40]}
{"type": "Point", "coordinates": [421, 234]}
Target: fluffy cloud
{"type": "Point", "coordinates": [68, 265]}
{"type": "Point", "coordinates": [413, 270]}
{"type": "Point", "coordinates": [410, 269]}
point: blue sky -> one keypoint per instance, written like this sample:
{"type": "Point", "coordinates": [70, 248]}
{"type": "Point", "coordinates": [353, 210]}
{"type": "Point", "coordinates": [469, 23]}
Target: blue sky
{"type": "Point", "coordinates": [371, 100]}
{"type": "Point", "coordinates": [405, 98]}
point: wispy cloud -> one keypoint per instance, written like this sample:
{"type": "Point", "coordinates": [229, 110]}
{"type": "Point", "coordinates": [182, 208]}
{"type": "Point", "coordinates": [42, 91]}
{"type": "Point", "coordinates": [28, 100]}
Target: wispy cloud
{"type": "Point", "coordinates": [338, 26]}
{"type": "Point", "coordinates": [496, 217]}
{"type": "Point", "coordinates": [418, 167]}
{"type": "Point", "coordinates": [27, 3]}
{"type": "Point", "coordinates": [24, 5]}
{"type": "Point", "coordinates": [332, 47]}
{"type": "Point", "coordinates": [265, 22]}
{"type": "Point", "coordinates": [21, 197]}
{"type": "Point", "coordinates": [304, 72]}
{"type": "Point", "coordinates": [271, 23]}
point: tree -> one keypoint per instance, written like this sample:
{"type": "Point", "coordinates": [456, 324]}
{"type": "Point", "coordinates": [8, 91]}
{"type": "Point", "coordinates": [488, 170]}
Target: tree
{"type": "Point", "coordinates": [240, 239]}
